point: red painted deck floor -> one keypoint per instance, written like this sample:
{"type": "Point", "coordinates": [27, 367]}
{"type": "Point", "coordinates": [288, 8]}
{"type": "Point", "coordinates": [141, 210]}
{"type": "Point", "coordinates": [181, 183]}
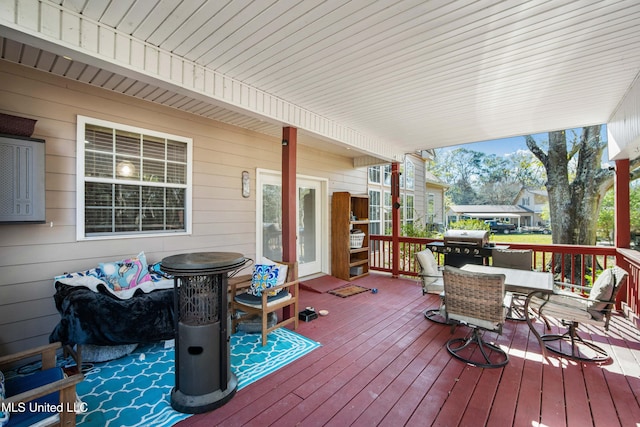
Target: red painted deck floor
{"type": "Point", "coordinates": [382, 363]}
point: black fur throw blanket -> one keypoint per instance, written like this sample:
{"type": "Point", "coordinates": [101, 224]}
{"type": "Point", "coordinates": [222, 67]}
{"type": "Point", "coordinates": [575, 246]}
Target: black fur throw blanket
{"type": "Point", "coordinates": [100, 318]}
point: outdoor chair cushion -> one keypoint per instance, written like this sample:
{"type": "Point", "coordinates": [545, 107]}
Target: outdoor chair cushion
{"type": "Point", "coordinates": [256, 301]}
{"type": "Point", "coordinates": [601, 291]}
{"type": "Point", "coordinates": [428, 263]}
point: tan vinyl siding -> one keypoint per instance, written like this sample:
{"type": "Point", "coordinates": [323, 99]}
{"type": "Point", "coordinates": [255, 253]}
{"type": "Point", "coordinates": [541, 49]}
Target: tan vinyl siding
{"type": "Point", "coordinates": [31, 255]}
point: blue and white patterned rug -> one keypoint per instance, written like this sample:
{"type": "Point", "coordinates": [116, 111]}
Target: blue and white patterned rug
{"type": "Point", "coordinates": [135, 390]}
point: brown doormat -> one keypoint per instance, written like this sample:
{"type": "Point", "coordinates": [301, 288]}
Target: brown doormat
{"type": "Point", "coordinates": [347, 291]}
{"type": "Point", "coordinates": [323, 284]}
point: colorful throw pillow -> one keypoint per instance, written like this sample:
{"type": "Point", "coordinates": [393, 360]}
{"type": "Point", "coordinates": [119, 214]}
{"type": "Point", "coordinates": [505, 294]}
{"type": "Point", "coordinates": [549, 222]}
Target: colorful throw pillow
{"type": "Point", "coordinates": [4, 412]}
{"type": "Point", "coordinates": [263, 278]}
{"type": "Point", "coordinates": [283, 270]}
{"type": "Point", "coordinates": [126, 274]}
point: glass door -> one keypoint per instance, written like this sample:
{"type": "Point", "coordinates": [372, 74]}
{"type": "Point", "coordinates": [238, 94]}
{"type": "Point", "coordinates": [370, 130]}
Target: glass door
{"type": "Point", "coordinates": [309, 224]}
{"type": "Point", "coordinates": [309, 221]}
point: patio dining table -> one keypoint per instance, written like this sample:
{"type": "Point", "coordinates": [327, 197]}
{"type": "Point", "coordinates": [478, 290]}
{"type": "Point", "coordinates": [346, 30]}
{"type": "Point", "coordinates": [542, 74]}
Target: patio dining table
{"type": "Point", "coordinates": [516, 281]}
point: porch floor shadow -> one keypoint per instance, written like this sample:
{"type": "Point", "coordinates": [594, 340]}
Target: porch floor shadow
{"type": "Point", "coordinates": [382, 363]}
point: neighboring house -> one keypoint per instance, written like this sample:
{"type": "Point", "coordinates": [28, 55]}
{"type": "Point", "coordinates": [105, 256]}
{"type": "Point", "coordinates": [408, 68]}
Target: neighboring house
{"type": "Point", "coordinates": [537, 201]}
{"type": "Point", "coordinates": [421, 195]}
{"type": "Point", "coordinates": [513, 214]}
{"type": "Point", "coordinates": [526, 210]}
{"type": "Point", "coordinates": [435, 209]}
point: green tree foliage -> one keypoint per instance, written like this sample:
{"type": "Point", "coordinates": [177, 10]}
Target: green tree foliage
{"type": "Point", "coordinates": [606, 217]}
{"type": "Point", "coordinates": [476, 178]}
{"type": "Point", "coordinates": [469, 224]}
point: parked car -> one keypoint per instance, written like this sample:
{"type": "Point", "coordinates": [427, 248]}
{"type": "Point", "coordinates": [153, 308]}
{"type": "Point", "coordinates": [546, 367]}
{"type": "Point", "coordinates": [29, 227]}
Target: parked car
{"type": "Point", "coordinates": [501, 227]}
{"type": "Point", "coordinates": [536, 229]}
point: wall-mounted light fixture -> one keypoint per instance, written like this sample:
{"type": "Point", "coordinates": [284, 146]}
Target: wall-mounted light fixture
{"type": "Point", "coordinates": [246, 184]}
{"type": "Point", "coordinates": [285, 142]}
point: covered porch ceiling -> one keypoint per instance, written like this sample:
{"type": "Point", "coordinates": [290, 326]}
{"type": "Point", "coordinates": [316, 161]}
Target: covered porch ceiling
{"type": "Point", "coordinates": [370, 80]}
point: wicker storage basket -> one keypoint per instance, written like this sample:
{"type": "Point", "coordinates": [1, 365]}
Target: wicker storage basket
{"type": "Point", "coordinates": [14, 125]}
{"type": "Point", "coordinates": [356, 239]}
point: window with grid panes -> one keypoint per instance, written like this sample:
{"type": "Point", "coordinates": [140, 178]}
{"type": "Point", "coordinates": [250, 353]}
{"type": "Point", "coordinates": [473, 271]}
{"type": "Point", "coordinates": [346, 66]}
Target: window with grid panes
{"type": "Point", "coordinates": [374, 212]}
{"type": "Point", "coordinates": [374, 174]}
{"type": "Point", "coordinates": [134, 182]}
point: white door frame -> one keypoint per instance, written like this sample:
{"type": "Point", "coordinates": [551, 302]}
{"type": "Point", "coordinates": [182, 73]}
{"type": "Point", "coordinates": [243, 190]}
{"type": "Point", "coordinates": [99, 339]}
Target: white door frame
{"type": "Point", "coordinates": [274, 176]}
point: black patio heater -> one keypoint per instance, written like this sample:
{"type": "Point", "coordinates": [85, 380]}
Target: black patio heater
{"type": "Point", "coordinates": [204, 380]}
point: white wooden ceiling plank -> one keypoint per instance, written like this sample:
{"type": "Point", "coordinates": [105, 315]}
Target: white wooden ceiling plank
{"type": "Point", "coordinates": [181, 22]}
{"type": "Point", "coordinates": [457, 78]}
{"type": "Point", "coordinates": [134, 88]}
{"type": "Point", "coordinates": [60, 66]}
{"type": "Point", "coordinates": [162, 99]}
{"type": "Point", "coordinates": [50, 20]}
{"type": "Point", "coordinates": [288, 23]}
{"type": "Point", "coordinates": [155, 19]}
{"type": "Point", "coordinates": [88, 74]}
{"type": "Point", "coordinates": [352, 20]}
{"type": "Point", "coordinates": [155, 94]}
{"type": "Point", "coordinates": [511, 62]}
{"type": "Point", "coordinates": [143, 90]}
{"type": "Point", "coordinates": [181, 101]}
{"type": "Point", "coordinates": [192, 105]}
{"type": "Point", "coordinates": [252, 30]}
{"type": "Point", "coordinates": [471, 109]}
{"type": "Point", "coordinates": [29, 56]}
{"type": "Point", "coordinates": [395, 38]}
{"type": "Point", "coordinates": [386, 70]}
{"type": "Point", "coordinates": [94, 9]}
{"type": "Point", "coordinates": [74, 5]}
{"type": "Point", "coordinates": [388, 57]}
{"type": "Point", "coordinates": [116, 11]}
{"type": "Point", "coordinates": [217, 28]}
{"type": "Point", "coordinates": [45, 60]}
{"type": "Point", "coordinates": [74, 70]}
{"type": "Point", "coordinates": [101, 78]}
{"type": "Point", "coordinates": [137, 13]}
{"type": "Point", "coordinates": [11, 50]}
{"type": "Point", "coordinates": [509, 90]}
{"type": "Point", "coordinates": [284, 39]}
{"type": "Point", "coordinates": [113, 81]}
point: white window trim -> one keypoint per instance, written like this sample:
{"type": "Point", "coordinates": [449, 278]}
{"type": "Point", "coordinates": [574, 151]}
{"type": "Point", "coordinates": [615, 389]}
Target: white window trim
{"type": "Point", "coordinates": [80, 179]}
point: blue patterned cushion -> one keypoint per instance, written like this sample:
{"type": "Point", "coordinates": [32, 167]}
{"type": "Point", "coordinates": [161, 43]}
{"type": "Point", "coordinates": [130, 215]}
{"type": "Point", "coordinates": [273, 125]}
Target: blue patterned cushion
{"type": "Point", "coordinates": [264, 277]}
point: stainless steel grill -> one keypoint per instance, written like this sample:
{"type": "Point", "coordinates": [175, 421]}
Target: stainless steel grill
{"type": "Point", "coordinates": [464, 247]}
{"type": "Point", "coordinates": [466, 238]}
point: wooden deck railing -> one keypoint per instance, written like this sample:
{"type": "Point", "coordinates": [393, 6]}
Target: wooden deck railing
{"type": "Point", "coordinates": [566, 261]}
{"type": "Point", "coordinates": [629, 298]}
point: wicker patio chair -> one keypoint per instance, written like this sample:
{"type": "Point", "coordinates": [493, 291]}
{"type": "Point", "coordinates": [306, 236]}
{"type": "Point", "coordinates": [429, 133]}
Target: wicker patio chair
{"type": "Point", "coordinates": [431, 277]}
{"type": "Point", "coordinates": [478, 301]}
{"type": "Point", "coordinates": [520, 259]}
{"type": "Point", "coordinates": [571, 309]}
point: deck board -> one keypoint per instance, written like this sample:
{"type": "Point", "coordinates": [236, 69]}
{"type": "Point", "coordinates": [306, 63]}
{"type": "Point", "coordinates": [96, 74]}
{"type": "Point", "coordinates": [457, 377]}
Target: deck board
{"type": "Point", "coordinates": [382, 363]}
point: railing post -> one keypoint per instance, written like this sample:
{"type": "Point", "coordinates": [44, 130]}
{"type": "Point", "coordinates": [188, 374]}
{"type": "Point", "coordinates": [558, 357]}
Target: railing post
{"type": "Point", "coordinates": [395, 219]}
{"type": "Point", "coordinates": [622, 222]}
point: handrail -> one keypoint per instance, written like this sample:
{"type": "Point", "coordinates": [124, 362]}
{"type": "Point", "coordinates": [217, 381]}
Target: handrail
{"type": "Point", "coordinates": [566, 261]}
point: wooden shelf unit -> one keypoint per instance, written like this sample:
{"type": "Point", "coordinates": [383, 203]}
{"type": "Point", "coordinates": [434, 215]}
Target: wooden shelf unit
{"type": "Point", "coordinates": [343, 257]}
